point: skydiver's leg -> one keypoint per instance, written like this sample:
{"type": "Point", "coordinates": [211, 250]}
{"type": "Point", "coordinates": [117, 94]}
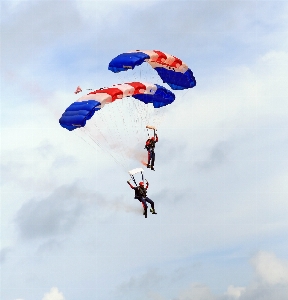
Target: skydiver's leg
{"type": "Point", "coordinates": [152, 159]}
{"type": "Point", "coordinates": [144, 204]}
{"type": "Point", "coordinates": [150, 201]}
{"type": "Point", "coordinates": [149, 158]}
{"type": "Point", "coordinates": [152, 206]}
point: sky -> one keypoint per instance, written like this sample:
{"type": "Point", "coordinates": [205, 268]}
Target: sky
{"type": "Point", "coordinates": [70, 227]}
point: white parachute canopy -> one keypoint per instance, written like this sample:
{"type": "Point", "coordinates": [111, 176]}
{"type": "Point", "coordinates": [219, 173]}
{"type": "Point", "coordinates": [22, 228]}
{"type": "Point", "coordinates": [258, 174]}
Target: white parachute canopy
{"type": "Point", "coordinates": [135, 171]}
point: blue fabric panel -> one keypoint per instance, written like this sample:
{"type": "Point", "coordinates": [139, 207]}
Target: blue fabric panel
{"type": "Point", "coordinates": [126, 61]}
{"type": "Point", "coordinates": [161, 97]}
{"type": "Point", "coordinates": [78, 113]}
{"type": "Point", "coordinates": [177, 80]}
{"type": "Point", "coordinates": [72, 121]}
{"type": "Point", "coordinates": [68, 127]}
{"type": "Point", "coordinates": [84, 105]}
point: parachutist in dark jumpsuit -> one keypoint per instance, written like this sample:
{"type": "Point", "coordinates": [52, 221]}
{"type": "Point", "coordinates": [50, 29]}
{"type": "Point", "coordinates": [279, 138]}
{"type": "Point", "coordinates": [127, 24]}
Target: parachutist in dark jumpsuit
{"type": "Point", "coordinates": [141, 195]}
{"type": "Point", "coordinates": [150, 146]}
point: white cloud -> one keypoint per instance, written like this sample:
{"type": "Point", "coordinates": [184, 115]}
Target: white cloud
{"type": "Point", "coordinates": [271, 269]}
{"type": "Point", "coordinates": [271, 283]}
{"type": "Point", "coordinates": [234, 292]}
{"type": "Point", "coordinates": [54, 294]}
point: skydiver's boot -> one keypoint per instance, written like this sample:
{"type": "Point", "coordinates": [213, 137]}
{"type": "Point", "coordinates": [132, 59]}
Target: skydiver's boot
{"type": "Point", "coordinates": [152, 168]}
{"type": "Point", "coordinates": [153, 211]}
{"type": "Point", "coordinates": [145, 213]}
{"type": "Point", "coordinates": [148, 166]}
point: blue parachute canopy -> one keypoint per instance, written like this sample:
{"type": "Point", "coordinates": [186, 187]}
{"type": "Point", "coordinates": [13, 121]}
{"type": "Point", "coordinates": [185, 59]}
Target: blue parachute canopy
{"type": "Point", "coordinates": [78, 113]}
{"type": "Point", "coordinates": [162, 97]}
{"type": "Point", "coordinates": [169, 68]}
{"type": "Point", "coordinates": [127, 61]}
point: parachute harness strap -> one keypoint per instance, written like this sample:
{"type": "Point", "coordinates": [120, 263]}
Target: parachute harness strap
{"type": "Point", "coordinates": [132, 177]}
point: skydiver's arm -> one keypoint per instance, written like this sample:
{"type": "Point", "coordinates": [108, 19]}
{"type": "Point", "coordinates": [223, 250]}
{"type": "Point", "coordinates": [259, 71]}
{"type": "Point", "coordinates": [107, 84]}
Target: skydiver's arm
{"type": "Point", "coordinates": [147, 184]}
{"type": "Point", "coordinates": [132, 187]}
{"type": "Point", "coordinates": [146, 144]}
{"type": "Point", "coordinates": [156, 136]}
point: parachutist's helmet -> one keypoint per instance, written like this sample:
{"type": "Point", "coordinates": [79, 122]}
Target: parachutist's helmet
{"type": "Point", "coordinates": [152, 138]}
{"type": "Point", "coordinates": [141, 183]}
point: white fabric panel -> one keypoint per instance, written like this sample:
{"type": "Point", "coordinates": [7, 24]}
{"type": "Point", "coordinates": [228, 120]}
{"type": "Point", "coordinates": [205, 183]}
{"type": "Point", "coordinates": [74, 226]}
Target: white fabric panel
{"type": "Point", "coordinates": [150, 88]}
{"type": "Point", "coordinates": [135, 171]}
{"type": "Point", "coordinates": [182, 69]}
{"type": "Point", "coordinates": [153, 55]}
{"type": "Point", "coordinates": [169, 60]}
{"type": "Point", "coordinates": [126, 89]}
{"type": "Point", "coordinates": [103, 98]}
{"type": "Point", "coordinates": [150, 127]}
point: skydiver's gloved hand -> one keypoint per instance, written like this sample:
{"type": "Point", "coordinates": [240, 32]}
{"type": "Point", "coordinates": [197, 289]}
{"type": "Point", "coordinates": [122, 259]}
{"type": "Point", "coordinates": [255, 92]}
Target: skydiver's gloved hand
{"type": "Point", "coordinates": [128, 182]}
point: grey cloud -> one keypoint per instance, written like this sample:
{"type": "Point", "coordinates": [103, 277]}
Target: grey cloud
{"type": "Point", "coordinates": [3, 254]}
{"type": "Point", "coordinates": [16, 166]}
{"type": "Point", "coordinates": [264, 292]}
{"type": "Point", "coordinates": [34, 25]}
{"type": "Point", "coordinates": [49, 151]}
{"type": "Point", "coordinates": [142, 287]}
{"type": "Point", "coordinates": [218, 155]}
{"type": "Point", "coordinates": [258, 289]}
{"type": "Point", "coordinates": [155, 284]}
{"type": "Point", "coordinates": [186, 23]}
{"type": "Point", "coordinates": [196, 291]}
{"type": "Point", "coordinates": [56, 214]}
{"type": "Point", "coordinates": [49, 246]}
{"type": "Point", "coordinates": [61, 211]}
{"type": "Point", "coordinates": [255, 292]}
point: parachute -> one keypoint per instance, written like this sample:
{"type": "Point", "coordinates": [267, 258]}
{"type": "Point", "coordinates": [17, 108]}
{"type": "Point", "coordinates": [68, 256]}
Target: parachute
{"type": "Point", "coordinates": [171, 69]}
{"type": "Point", "coordinates": [83, 109]}
{"type": "Point", "coordinates": [118, 129]}
{"type": "Point", "coordinates": [133, 173]}
{"type": "Point", "coordinates": [78, 90]}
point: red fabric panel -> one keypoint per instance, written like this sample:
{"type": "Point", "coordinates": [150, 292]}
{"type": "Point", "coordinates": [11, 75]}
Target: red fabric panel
{"type": "Point", "coordinates": [113, 92]}
{"type": "Point", "coordinates": [176, 61]}
{"type": "Point", "coordinates": [137, 86]}
{"type": "Point", "coordinates": [161, 55]}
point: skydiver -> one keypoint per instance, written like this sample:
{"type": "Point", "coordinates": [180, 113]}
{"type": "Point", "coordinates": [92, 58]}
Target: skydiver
{"type": "Point", "coordinates": [141, 195]}
{"type": "Point", "coordinates": [150, 146]}
{"type": "Point", "coordinates": [78, 90]}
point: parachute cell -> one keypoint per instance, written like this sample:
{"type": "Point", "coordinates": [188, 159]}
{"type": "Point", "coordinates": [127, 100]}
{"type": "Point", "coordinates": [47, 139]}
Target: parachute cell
{"type": "Point", "coordinates": [170, 68]}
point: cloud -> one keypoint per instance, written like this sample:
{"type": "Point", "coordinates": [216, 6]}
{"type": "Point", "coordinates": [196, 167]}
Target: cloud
{"type": "Point", "coordinates": [59, 213]}
{"type": "Point", "coordinates": [270, 269]}
{"type": "Point", "coordinates": [24, 35]}
{"type": "Point", "coordinates": [234, 292]}
{"type": "Point", "coordinates": [231, 127]}
{"type": "Point", "coordinates": [142, 287]}
{"type": "Point", "coordinates": [218, 155]}
{"type": "Point", "coordinates": [196, 291]}
{"type": "Point", "coordinates": [34, 167]}
{"type": "Point", "coordinates": [271, 283]}
{"type": "Point", "coordinates": [3, 254]}
{"type": "Point", "coordinates": [56, 214]}
{"type": "Point", "coordinates": [54, 294]}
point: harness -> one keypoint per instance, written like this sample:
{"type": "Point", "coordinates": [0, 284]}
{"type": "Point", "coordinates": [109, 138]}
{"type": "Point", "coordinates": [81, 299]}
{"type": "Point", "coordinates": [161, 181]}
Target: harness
{"type": "Point", "coordinates": [150, 144]}
{"type": "Point", "coordinates": [140, 192]}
